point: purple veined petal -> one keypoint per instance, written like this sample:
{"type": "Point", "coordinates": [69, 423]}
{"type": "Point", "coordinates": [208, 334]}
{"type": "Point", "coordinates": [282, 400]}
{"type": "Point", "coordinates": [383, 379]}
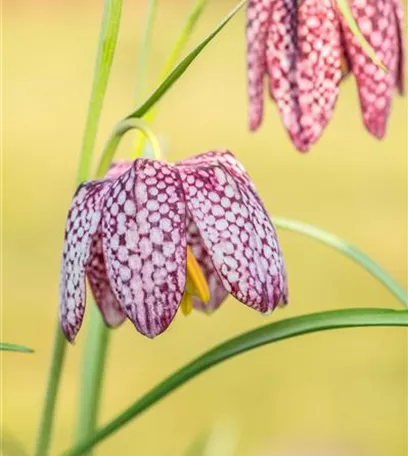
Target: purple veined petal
{"type": "Point", "coordinates": [276, 270]}
{"type": "Point", "coordinates": [144, 243]}
{"type": "Point", "coordinates": [233, 234]}
{"type": "Point", "coordinates": [258, 20]}
{"type": "Point", "coordinates": [304, 59]}
{"type": "Point", "coordinates": [100, 286]}
{"type": "Point", "coordinates": [250, 195]}
{"type": "Point", "coordinates": [378, 23]}
{"type": "Point", "coordinates": [82, 222]}
{"type": "Point", "coordinates": [318, 66]}
{"type": "Point", "coordinates": [281, 57]}
{"type": "Point", "coordinates": [217, 291]}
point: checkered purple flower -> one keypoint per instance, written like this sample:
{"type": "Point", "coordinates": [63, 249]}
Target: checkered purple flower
{"type": "Point", "coordinates": [153, 236]}
{"type": "Point", "coordinates": [306, 47]}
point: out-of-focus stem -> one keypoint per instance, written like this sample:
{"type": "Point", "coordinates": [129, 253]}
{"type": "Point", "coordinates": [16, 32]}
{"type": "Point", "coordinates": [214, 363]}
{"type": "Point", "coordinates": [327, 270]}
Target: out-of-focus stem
{"type": "Point", "coordinates": [106, 49]}
{"type": "Point", "coordinates": [141, 72]}
{"type": "Point", "coordinates": [172, 59]}
{"type": "Point", "coordinates": [54, 376]}
{"type": "Point", "coordinates": [92, 375]}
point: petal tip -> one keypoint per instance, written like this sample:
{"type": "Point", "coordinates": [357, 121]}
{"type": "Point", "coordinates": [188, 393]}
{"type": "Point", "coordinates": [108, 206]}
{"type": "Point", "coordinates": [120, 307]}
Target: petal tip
{"type": "Point", "coordinates": [254, 123]}
{"type": "Point", "coordinates": [68, 332]}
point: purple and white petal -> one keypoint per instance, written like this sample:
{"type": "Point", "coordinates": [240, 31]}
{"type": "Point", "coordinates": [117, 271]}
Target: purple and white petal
{"type": "Point", "coordinates": [281, 57]}
{"type": "Point", "coordinates": [144, 242]}
{"type": "Point", "coordinates": [304, 66]}
{"type": "Point", "coordinates": [100, 286]}
{"type": "Point", "coordinates": [258, 20]}
{"type": "Point", "coordinates": [230, 231]}
{"type": "Point", "coordinates": [378, 23]}
{"type": "Point", "coordinates": [217, 291]}
{"type": "Point", "coordinates": [82, 222]}
{"type": "Point", "coordinates": [318, 67]}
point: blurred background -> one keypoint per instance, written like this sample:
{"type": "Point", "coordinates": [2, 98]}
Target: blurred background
{"type": "Point", "coordinates": [328, 390]}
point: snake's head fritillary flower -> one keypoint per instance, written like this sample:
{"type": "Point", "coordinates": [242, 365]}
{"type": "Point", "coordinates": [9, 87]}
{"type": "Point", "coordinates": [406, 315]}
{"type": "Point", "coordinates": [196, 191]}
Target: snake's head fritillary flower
{"type": "Point", "coordinates": [306, 47]}
{"type": "Point", "coordinates": [154, 236]}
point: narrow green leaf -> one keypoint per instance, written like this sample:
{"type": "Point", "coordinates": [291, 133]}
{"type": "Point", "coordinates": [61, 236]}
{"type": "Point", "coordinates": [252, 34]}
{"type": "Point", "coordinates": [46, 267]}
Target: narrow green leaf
{"type": "Point", "coordinates": [345, 9]}
{"type": "Point", "coordinates": [182, 66]}
{"type": "Point", "coordinates": [141, 72]}
{"type": "Point", "coordinates": [352, 252]}
{"type": "Point", "coordinates": [4, 346]}
{"type": "Point", "coordinates": [171, 61]}
{"type": "Point", "coordinates": [183, 38]}
{"type": "Point", "coordinates": [274, 332]}
{"type": "Point", "coordinates": [108, 38]}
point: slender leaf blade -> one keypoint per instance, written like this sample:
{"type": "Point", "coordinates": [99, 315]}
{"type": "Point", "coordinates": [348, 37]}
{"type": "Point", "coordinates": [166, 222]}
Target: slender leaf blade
{"type": "Point", "coordinates": [274, 332]}
{"type": "Point", "coordinates": [5, 346]}
{"type": "Point", "coordinates": [345, 9]}
{"type": "Point", "coordinates": [182, 66]}
{"type": "Point", "coordinates": [343, 247]}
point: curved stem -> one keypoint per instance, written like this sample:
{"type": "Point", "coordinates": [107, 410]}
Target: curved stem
{"type": "Point", "coordinates": [274, 332]}
{"type": "Point", "coordinates": [113, 142]}
{"type": "Point", "coordinates": [352, 252]}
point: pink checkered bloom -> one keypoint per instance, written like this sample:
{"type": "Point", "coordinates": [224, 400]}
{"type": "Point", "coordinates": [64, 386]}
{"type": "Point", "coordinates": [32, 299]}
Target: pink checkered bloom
{"type": "Point", "coordinates": [131, 232]}
{"type": "Point", "coordinates": [306, 47]}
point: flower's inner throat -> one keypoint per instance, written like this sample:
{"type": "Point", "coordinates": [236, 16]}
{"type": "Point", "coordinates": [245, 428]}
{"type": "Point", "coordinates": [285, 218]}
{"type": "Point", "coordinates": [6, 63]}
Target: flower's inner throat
{"type": "Point", "coordinates": [196, 285]}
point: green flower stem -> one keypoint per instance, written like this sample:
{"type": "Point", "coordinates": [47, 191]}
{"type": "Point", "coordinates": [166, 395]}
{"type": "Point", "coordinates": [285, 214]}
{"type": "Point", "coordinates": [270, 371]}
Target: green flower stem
{"type": "Point", "coordinates": [274, 332]}
{"type": "Point", "coordinates": [359, 257]}
{"type": "Point", "coordinates": [54, 376]}
{"type": "Point", "coordinates": [4, 346]}
{"type": "Point", "coordinates": [93, 368]}
{"type": "Point", "coordinates": [172, 59]}
{"type": "Point", "coordinates": [106, 48]}
{"type": "Point", "coordinates": [144, 49]}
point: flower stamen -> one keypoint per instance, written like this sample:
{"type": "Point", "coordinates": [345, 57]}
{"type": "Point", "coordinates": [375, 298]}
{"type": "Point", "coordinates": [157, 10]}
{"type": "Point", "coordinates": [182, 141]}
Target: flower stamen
{"type": "Point", "coordinates": [196, 284]}
{"type": "Point", "coordinates": [187, 303]}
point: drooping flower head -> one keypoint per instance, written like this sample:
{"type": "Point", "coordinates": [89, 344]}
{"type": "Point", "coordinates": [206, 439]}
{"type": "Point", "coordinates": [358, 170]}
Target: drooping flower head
{"type": "Point", "coordinates": [153, 236]}
{"type": "Point", "coordinates": [306, 47]}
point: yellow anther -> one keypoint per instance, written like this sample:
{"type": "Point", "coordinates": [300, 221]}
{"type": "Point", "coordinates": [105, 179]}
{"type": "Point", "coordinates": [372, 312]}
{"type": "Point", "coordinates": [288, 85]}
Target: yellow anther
{"type": "Point", "coordinates": [196, 284]}
{"type": "Point", "coordinates": [187, 303]}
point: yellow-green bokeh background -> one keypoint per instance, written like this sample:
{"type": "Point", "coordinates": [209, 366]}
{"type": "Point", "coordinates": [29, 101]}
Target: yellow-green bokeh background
{"type": "Point", "coordinates": [348, 385]}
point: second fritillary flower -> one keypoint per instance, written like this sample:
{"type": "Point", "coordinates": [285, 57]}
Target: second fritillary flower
{"type": "Point", "coordinates": [306, 47]}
